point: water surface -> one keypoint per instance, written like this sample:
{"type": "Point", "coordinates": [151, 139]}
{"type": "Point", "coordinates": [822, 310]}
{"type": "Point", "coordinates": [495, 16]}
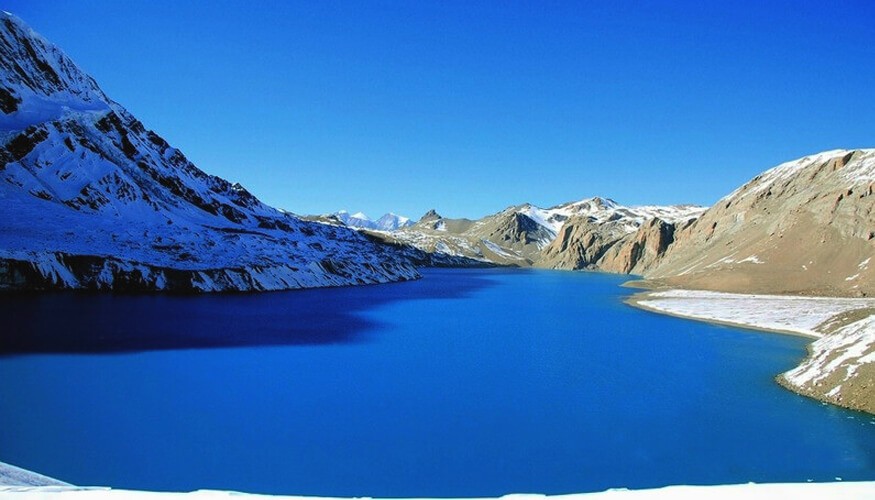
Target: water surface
{"type": "Point", "coordinates": [464, 383]}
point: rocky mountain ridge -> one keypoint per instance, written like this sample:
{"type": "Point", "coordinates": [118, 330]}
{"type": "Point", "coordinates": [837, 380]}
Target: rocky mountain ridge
{"type": "Point", "coordinates": [94, 200]}
{"type": "Point", "coordinates": [522, 235]}
{"type": "Point", "coordinates": [804, 227]}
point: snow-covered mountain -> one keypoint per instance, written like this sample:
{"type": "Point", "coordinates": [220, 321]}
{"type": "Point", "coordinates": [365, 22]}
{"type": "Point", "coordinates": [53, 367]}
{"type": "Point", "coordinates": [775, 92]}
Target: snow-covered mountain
{"type": "Point", "coordinates": [393, 222]}
{"type": "Point", "coordinates": [357, 219]}
{"type": "Point", "coordinates": [388, 222]}
{"type": "Point", "coordinates": [92, 199]}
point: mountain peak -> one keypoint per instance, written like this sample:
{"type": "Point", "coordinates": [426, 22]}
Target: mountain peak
{"type": "Point", "coordinates": [81, 177]}
{"type": "Point", "coordinates": [430, 215]}
{"type": "Point", "coordinates": [39, 83]}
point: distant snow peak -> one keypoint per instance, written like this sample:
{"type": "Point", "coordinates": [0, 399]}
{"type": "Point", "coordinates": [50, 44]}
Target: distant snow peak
{"type": "Point", "coordinates": [388, 222]}
{"type": "Point", "coordinates": [393, 222]}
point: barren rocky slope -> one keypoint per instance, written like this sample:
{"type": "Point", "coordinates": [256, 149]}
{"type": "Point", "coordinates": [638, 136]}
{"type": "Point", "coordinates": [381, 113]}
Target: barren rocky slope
{"type": "Point", "coordinates": [94, 200]}
{"type": "Point", "coordinates": [804, 227]}
{"type": "Point", "coordinates": [612, 246]}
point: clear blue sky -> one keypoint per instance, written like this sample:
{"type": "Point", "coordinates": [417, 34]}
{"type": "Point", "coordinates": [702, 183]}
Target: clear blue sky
{"type": "Point", "coordinates": [469, 107]}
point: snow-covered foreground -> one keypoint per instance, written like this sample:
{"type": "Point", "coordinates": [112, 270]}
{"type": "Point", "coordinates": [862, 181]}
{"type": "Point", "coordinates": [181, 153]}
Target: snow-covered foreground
{"type": "Point", "coordinates": [838, 490]}
{"type": "Point", "coordinates": [841, 363]}
{"type": "Point", "coordinates": [25, 485]}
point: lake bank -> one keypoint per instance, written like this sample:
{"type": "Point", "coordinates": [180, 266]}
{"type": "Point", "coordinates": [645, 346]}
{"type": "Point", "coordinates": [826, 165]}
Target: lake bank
{"type": "Point", "coordinates": [841, 362]}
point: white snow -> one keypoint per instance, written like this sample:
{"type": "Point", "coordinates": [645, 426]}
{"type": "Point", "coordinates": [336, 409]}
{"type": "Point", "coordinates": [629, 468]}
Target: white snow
{"type": "Point", "coordinates": [500, 251]}
{"type": "Point", "coordinates": [442, 247]}
{"type": "Point", "coordinates": [795, 314]}
{"type": "Point", "coordinates": [861, 172]}
{"type": "Point", "coordinates": [864, 490]}
{"type": "Point", "coordinates": [389, 222]}
{"type": "Point", "coordinates": [846, 349]}
{"type": "Point", "coordinates": [753, 259]}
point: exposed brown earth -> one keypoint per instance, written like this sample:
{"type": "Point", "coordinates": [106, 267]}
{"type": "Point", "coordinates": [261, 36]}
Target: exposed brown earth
{"type": "Point", "coordinates": [806, 228]}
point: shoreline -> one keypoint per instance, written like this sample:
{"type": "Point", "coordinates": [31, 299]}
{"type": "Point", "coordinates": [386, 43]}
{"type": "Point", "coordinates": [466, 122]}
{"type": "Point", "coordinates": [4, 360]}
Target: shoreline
{"type": "Point", "coordinates": [838, 368]}
{"type": "Point", "coordinates": [637, 299]}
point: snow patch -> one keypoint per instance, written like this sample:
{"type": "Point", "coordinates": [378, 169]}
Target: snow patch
{"type": "Point", "coordinates": [848, 348]}
{"type": "Point", "coordinates": [795, 314]}
{"type": "Point", "coordinates": [500, 251]}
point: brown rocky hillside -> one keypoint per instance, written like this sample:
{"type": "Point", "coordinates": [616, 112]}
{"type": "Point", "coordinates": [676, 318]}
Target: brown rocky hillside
{"type": "Point", "coordinates": [803, 227]}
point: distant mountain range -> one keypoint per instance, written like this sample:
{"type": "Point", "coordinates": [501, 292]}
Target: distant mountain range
{"type": "Point", "coordinates": [388, 222]}
{"type": "Point", "coordinates": [804, 227]}
{"type": "Point", "coordinates": [525, 235]}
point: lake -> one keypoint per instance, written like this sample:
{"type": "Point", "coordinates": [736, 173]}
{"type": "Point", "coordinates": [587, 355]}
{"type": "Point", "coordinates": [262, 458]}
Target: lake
{"type": "Point", "coordinates": [464, 383]}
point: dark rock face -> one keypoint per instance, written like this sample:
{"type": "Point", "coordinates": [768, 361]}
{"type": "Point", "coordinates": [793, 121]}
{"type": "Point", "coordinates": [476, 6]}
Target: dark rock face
{"type": "Point", "coordinates": [8, 102]}
{"type": "Point", "coordinates": [584, 244]}
{"type": "Point", "coordinates": [580, 244]}
{"type": "Point", "coordinates": [642, 250]}
{"type": "Point", "coordinates": [430, 216]}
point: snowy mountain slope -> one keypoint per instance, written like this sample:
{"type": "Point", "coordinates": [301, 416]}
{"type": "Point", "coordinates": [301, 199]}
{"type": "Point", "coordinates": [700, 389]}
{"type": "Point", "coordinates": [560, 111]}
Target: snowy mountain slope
{"type": "Point", "coordinates": [356, 220]}
{"type": "Point", "coordinates": [94, 200]}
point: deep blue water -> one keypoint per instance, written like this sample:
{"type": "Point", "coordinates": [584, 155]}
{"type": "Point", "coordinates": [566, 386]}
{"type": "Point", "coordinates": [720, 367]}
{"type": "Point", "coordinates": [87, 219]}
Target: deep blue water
{"type": "Point", "coordinates": [463, 383]}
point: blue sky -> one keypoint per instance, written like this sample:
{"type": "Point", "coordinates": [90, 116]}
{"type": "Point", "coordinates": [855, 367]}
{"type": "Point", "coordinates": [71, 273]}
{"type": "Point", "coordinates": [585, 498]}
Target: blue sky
{"type": "Point", "coordinates": [469, 107]}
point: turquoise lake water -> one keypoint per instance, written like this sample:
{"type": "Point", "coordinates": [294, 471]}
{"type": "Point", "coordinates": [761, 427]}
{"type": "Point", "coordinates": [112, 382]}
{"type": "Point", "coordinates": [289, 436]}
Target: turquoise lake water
{"type": "Point", "coordinates": [467, 382]}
